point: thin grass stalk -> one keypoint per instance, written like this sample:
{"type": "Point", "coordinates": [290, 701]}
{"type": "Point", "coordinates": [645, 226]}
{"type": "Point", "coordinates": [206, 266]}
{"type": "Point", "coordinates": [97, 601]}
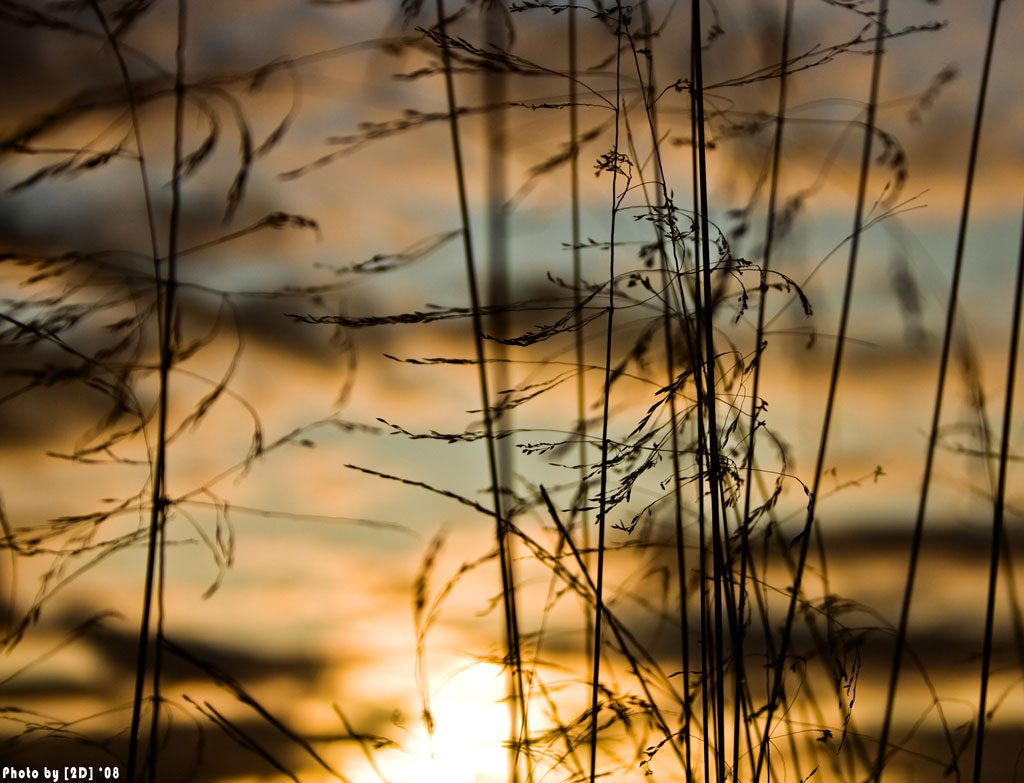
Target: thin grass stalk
{"type": "Point", "coordinates": [743, 724]}
{"type": "Point", "coordinates": [549, 602]}
{"type": "Point", "coordinates": [736, 628]}
{"type": "Point", "coordinates": [744, 696]}
{"type": "Point", "coordinates": [851, 735]}
{"type": "Point", "coordinates": [726, 613]}
{"type": "Point", "coordinates": [157, 698]}
{"type": "Point", "coordinates": [762, 603]}
{"type": "Point", "coordinates": [699, 387]}
{"type": "Point", "coordinates": [603, 497]}
{"type": "Point", "coordinates": [865, 165]}
{"type": "Point", "coordinates": [997, 516]}
{"type": "Point", "coordinates": [239, 737]}
{"type": "Point", "coordinates": [167, 360]}
{"type": "Point", "coordinates": [661, 189]}
{"type": "Point", "coordinates": [992, 470]}
{"type": "Point", "coordinates": [682, 699]}
{"type": "Point", "coordinates": [224, 680]}
{"type": "Point", "coordinates": [577, 288]}
{"type": "Point", "coordinates": [769, 243]}
{"type": "Point", "coordinates": [698, 382]}
{"type": "Point", "coordinates": [626, 641]}
{"type": "Point", "coordinates": [164, 302]}
{"type": "Point", "coordinates": [771, 653]}
{"type": "Point", "coordinates": [496, 92]}
{"type": "Point", "coordinates": [752, 726]}
{"type": "Point", "coordinates": [702, 573]}
{"type": "Point", "coordinates": [688, 328]}
{"type": "Point", "coordinates": [133, 110]}
{"type": "Point", "coordinates": [710, 402]}
{"type": "Point", "coordinates": [1005, 553]}
{"type": "Point", "coordinates": [677, 518]}
{"type": "Point", "coordinates": [518, 727]}
{"type": "Point", "coordinates": [1014, 598]}
{"type": "Point", "coordinates": [684, 620]}
{"type": "Point", "coordinates": [947, 342]}
{"type": "Point", "coordinates": [694, 350]}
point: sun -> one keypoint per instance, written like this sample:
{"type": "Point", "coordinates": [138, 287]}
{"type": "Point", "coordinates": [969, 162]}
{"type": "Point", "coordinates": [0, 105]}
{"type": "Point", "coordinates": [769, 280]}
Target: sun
{"type": "Point", "coordinates": [470, 735]}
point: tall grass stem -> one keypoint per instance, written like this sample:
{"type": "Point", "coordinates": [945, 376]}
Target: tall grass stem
{"type": "Point", "coordinates": [512, 636]}
{"type": "Point", "coordinates": [933, 432]}
{"type": "Point", "coordinates": [837, 358]}
{"type": "Point", "coordinates": [997, 516]}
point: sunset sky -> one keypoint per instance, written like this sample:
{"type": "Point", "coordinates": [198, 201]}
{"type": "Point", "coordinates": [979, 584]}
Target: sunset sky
{"type": "Point", "coordinates": [295, 571]}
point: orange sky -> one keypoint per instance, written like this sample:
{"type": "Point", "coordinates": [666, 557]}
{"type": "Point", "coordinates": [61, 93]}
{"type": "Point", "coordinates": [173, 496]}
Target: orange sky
{"type": "Point", "coordinates": [315, 606]}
